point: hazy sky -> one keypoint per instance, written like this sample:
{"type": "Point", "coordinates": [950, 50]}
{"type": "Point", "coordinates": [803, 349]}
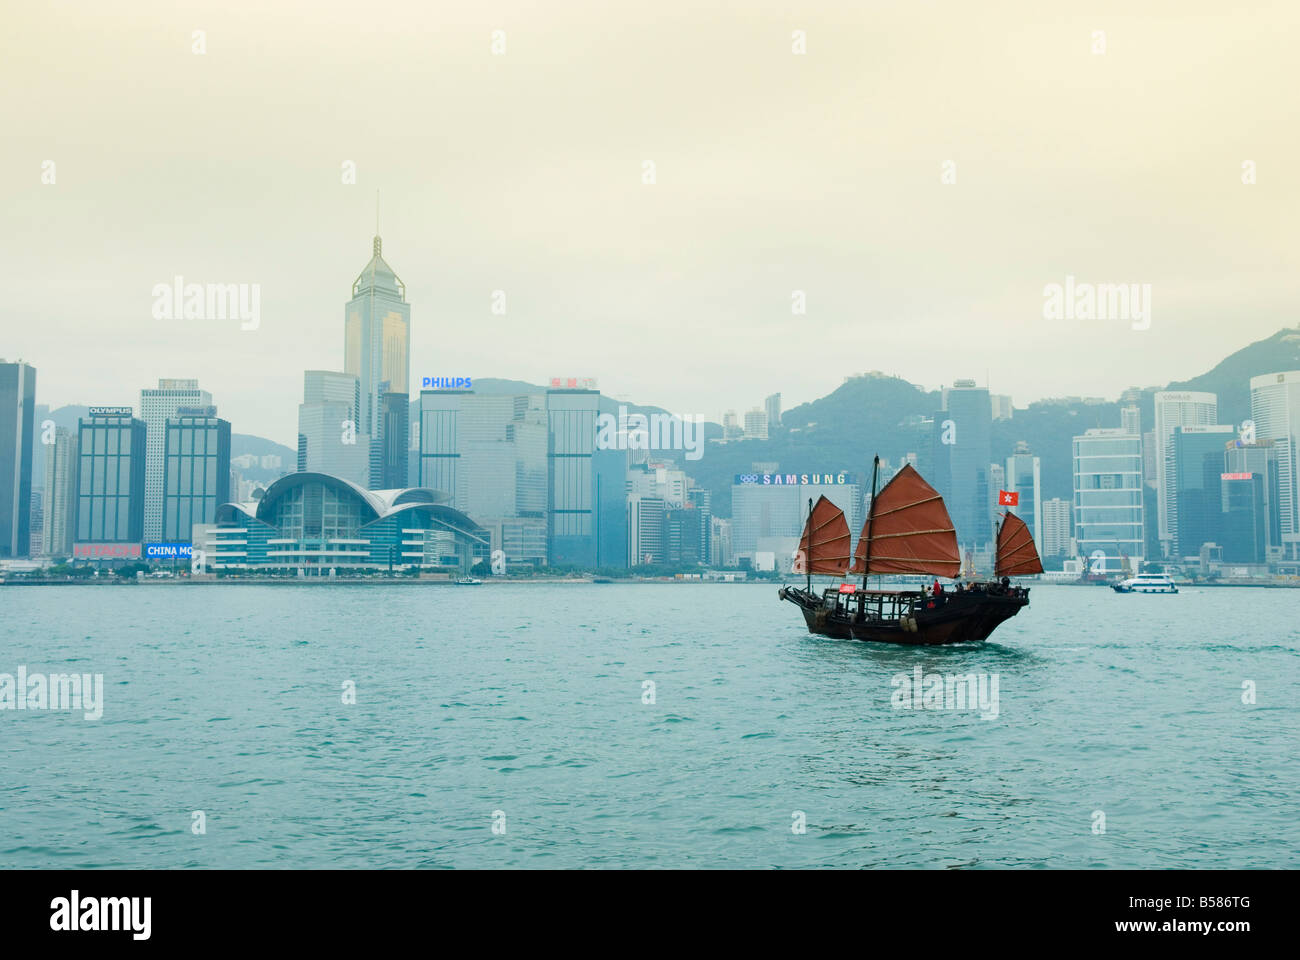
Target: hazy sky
{"type": "Point", "coordinates": [523, 172]}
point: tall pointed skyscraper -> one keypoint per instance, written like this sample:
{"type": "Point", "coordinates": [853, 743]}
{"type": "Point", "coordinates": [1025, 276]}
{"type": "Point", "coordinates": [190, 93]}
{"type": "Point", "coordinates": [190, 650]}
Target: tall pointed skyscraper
{"type": "Point", "coordinates": [377, 347]}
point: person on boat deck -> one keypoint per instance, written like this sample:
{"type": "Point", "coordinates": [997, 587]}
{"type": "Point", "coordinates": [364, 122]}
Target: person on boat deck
{"type": "Point", "coordinates": [937, 589]}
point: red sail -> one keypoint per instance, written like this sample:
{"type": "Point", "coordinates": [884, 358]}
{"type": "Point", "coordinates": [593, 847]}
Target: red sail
{"type": "Point", "coordinates": [1017, 555]}
{"type": "Point", "coordinates": [908, 531]}
{"type": "Point", "coordinates": [825, 543]}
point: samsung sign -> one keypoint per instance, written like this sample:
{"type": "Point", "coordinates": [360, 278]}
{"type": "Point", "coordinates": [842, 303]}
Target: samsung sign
{"type": "Point", "coordinates": [165, 551]}
{"type": "Point", "coordinates": [792, 479]}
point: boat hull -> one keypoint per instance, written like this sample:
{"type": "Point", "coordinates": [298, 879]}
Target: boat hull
{"type": "Point", "coordinates": [954, 618]}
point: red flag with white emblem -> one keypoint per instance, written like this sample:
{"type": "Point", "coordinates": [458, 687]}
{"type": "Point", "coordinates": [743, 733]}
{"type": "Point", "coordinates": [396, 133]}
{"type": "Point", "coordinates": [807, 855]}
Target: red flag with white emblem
{"type": "Point", "coordinates": [1007, 498]}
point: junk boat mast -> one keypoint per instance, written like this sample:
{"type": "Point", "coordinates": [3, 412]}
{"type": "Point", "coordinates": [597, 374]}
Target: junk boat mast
{"type": "Point", "coordinates": [907, 531]}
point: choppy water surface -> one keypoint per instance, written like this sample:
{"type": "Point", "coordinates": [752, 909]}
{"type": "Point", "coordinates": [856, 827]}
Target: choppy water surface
{"type": "Point", "coordinates": [528, 699]}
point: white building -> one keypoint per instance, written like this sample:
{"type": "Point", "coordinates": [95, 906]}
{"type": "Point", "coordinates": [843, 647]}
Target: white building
{"type": "Point", "coordinates": [645, 523]}
{"type": "Point", "coordinates": [731, 428]}
{"type": "Point", "coordinates": [1058, 528]}
{"type": "Point", "coordinates": [1108, 499]}
{"type": "Point", "coordinates": [756, 424]}
{"type": "Point", "coordinates": [776, 505]}
{"type": "Point", "coordinates": [60, 500]}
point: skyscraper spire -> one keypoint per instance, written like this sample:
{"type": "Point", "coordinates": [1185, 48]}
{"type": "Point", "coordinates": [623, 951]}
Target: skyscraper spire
{"type": "Point", "coordinates": [379, 244]}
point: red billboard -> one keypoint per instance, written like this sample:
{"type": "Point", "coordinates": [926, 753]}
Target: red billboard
{"type": "Point", "coordinates": [106, 551]}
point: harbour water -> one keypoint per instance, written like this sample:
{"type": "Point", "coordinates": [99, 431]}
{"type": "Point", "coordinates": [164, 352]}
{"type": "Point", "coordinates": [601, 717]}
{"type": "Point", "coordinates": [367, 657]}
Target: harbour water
{"type": "Point", "coordinates": [512, 725]}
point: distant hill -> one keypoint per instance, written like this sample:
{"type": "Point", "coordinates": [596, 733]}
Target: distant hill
{"type": "Point", "coordinates": [1230, 379]}
{"type": "Point", "coordinates": [842, 431]}
{"type": "Point", "coordinates": [68, 417]}
{"type": "Point", "coordinates": [242, 443]}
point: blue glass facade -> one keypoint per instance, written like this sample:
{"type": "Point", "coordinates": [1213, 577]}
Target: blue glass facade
{"type": "Point", "coordinates": [1193, 467]}
{"type": "Point", "coordinates": [110, 478]}
{"type": "Point", "coordinates": [17, 421]}
{"type": "Point", "coordinates": [962, 456]}
{"type": "Point", "coordinates": [196, 473]}
{"type": "Point", "coordinates": [572, 494]}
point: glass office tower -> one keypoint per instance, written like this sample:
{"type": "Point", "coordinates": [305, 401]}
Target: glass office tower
{"type": "Point", "coordinates": [156, 405]}
{"type": "Point", "coordinates": [1275, 408]}
{"type": "Point", "coordinates": [440, 440]}
{"type": "Point", "coordinates": [17, 422]}
{"type": "Point", "coordinates": [393, 441]}
{"type": "Point", "coordinates": [572, 495]}
{"type": "Point", "coordinates": [1193, 465]}
{"type": "Point", "coordinates": [197, 471]}
{"type": "Point", "coordinates": [330, 436]}
{"type": "Point", "coordinates": [110, 477]}
{"type": "Point", "coordinates": [962, 455]}
{"type": "Point", "coordinates": [1175, 409]}
{"type": "Point", "coordinates": [377, 343]}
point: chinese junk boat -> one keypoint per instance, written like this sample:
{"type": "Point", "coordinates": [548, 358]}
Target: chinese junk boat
{"type": "Point", "coordinates": [907, 531]}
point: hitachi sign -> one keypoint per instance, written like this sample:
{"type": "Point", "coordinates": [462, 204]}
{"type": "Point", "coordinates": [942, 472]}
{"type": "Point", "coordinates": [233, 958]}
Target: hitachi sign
{"type": "Point", "coordinates": [107, 551]}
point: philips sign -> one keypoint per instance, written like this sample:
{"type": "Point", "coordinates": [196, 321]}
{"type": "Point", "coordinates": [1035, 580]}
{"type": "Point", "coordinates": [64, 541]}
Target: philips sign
{"type": "Point", "coordinates": [164, 551]}
{"type": "Point", "coordinates": [445, 383]}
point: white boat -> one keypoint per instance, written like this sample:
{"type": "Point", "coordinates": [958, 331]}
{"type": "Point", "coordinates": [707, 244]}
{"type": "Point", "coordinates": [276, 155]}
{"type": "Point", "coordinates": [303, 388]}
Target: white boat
{"type": "Point", "coordinates": [1145, 583]}
{"type": "Point", "coordinates": [469, 581]}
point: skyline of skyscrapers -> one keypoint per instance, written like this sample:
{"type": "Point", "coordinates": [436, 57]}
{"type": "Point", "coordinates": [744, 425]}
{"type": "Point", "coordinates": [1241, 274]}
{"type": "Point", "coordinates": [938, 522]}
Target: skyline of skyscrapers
{"type": "Point", "coordinates": [527, 466]}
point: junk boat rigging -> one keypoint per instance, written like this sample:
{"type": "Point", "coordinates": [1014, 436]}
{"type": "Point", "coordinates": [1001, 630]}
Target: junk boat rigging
{"type": "Point", "coordinates": [907, 531]}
